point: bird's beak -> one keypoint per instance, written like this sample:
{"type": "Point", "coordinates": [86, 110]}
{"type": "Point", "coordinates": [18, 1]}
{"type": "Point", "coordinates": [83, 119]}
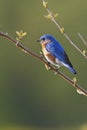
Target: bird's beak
{"type": "Point", "coordinates": [38, 40]}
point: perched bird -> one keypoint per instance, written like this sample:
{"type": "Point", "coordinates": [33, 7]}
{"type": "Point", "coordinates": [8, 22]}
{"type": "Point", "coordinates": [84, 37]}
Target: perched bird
{"type": "Point", "coordinates": [54, 52]}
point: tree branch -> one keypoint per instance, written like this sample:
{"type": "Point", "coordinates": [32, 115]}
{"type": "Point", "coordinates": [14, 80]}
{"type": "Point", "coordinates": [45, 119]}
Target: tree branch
{"type": "Point", "coordinates": [79, 89]}
{"type": "Point", "coordinates": [52, 16]}
{"type": "Point", "coordinates": [83, 40]}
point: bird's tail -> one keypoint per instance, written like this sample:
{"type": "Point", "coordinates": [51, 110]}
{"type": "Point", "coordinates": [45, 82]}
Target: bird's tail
{"type": "Point", "coordinates": [70, 67]}
{"type": "Point", "coordinates": [72, 70]}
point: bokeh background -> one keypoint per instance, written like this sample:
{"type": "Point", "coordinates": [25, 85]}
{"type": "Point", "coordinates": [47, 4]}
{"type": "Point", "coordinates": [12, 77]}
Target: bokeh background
{"type": "Point", "coordinates": [30, 96]}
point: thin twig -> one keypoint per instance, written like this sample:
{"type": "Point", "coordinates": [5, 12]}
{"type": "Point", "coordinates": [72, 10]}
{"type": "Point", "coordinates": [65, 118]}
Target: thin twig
{"type": "Point", "coordinates": [51, 16]}
{"type": "Point", "coordinates": [53, 69]}
{"type": "Point", "coordinates": [83, 40]}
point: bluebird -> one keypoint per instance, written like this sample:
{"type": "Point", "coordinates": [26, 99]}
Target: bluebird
{"type": "Point", "coordinates": [55, 53]}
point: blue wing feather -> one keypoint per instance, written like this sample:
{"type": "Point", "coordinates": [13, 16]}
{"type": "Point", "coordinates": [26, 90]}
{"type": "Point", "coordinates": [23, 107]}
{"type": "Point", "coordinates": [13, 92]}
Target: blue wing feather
{"type": "Point", "coordinates": [57, 50]}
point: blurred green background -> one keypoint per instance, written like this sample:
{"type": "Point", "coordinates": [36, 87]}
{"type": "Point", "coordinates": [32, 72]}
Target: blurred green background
{"type": "Point", "coordinates": [30, 96]}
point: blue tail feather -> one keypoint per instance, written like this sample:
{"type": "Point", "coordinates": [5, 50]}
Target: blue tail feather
{"type": "Point", "coordinates": [72, 70]}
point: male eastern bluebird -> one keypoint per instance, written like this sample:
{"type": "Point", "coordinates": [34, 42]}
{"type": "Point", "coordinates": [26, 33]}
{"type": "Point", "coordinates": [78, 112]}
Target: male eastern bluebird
{"type": "Point", "coordinates": [54, 52]}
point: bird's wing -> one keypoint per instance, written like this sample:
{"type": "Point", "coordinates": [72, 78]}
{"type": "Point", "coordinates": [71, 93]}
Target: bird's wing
{"type": "Point", "coordinates": [57, 51]}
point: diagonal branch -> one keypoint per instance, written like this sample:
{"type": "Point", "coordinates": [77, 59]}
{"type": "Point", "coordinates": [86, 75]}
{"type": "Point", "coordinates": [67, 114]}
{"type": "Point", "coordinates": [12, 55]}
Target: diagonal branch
{"type": "Point", "coordinates": [83, 40]}
{"type": "Point", "coordinates": [79, 89]}
{"type": "Point", "coordinates": [51, 16]}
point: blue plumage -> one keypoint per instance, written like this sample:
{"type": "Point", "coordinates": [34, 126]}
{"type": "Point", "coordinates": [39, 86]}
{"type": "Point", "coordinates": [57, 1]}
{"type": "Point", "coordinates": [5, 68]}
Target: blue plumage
{"type": "Point", "coordinates": [55, 53]}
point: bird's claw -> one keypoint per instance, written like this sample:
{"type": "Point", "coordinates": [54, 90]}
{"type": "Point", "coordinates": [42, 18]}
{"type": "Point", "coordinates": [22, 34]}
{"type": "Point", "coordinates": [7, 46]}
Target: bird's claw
{"type": "Point", "coordinates": [56, 71]}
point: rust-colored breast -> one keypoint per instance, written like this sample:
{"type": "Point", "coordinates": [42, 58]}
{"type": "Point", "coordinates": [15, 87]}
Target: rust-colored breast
{"type": "Point", "coordinates": [50, 57]}
{"type": "Point", "coordinates": [47, 54]}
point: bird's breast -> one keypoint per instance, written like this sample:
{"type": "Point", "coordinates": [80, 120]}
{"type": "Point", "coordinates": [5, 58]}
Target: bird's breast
{"type": "Point", "coordinates": [50, 58]}
{"type": "Point", "coordinates": [44, 50]}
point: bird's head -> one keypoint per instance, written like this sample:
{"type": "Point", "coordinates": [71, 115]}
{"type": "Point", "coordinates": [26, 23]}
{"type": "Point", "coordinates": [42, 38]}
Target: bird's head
{"type": "Point", "coordinates": [46, 38]}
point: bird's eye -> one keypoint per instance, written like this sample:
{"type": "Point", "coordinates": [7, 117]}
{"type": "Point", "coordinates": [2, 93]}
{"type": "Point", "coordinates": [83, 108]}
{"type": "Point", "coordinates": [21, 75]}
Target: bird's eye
{"type": "Point", "coordinates": [43, 39]}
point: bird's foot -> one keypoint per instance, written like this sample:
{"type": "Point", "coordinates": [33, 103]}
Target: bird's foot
{"type": "Point", "coordinates": [56, 71]}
